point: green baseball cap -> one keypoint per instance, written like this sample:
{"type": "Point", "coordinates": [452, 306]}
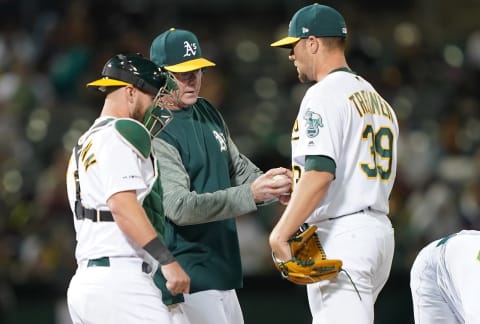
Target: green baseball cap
{"type": "Point", "coordinates": [313, 20]}
{"type": "Point", "coordinates": [178, 50]}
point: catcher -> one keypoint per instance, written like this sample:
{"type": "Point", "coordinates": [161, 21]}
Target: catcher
{"type": "Point", "coordinates": [110, 176]}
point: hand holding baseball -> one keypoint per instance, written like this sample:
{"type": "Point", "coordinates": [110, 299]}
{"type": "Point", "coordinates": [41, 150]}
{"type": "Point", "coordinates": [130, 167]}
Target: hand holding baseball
{"type": "Point", "coordinates": [274, 183]}
{"type": "Point", "coordinates": [279, 177]}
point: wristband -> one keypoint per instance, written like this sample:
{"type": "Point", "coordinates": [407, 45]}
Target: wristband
{"type": "Point", "coordinates": [159, 251]}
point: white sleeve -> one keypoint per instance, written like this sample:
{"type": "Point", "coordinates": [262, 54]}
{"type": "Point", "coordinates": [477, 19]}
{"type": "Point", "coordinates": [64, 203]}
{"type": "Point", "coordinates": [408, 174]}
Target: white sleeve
{"type": "Point", "coordinates": [320, 127]}
{"type": "Point", "coordinates": [119, 166]}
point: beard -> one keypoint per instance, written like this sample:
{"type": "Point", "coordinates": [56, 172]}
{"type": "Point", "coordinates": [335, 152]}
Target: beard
{"type": "Point", "coordinates": [138, 112]}
{"type": "Point", "coordinates": [303, 77]}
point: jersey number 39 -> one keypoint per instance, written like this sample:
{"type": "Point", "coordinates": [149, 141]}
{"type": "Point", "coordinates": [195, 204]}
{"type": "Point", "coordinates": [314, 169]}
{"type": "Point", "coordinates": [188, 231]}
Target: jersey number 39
{"type": "Point", "coordinates": [381, 150]}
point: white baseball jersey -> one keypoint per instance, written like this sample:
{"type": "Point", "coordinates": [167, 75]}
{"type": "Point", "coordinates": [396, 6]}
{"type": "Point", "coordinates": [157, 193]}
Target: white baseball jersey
{"type": "Point", "coordinates": [445, 280]}
{"type": "Point", "coordinates": [107, 165]}
{"type": "Point", "coordinates": [342, 117]}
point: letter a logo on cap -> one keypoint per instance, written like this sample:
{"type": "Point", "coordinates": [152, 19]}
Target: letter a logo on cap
{"type": "Point", "coordinates": [190, 49]}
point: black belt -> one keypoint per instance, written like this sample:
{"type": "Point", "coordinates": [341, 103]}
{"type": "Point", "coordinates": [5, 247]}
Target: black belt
{"type": "Point", "coordinates": [94, 215]}
{"type": "Point", "coordinates": [355, 212]}
{"type": "Point", "coordinates": [105, 262]}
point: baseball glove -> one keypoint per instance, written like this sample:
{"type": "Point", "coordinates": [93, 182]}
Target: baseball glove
{"type": "Point", "coordinates": [309, 263]}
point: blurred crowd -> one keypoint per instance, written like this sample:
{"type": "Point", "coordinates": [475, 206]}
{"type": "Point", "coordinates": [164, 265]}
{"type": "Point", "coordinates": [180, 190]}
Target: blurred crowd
{"type": "Point", "coordinates": [425, 62]}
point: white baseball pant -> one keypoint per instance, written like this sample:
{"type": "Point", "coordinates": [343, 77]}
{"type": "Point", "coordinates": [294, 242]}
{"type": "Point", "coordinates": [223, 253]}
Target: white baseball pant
{"type": "Point", "coordinates": [445, 283]}
{"type": "Point", "coordinates": [364, 241]}
{"type": "Point", "coordinates": [209, 307]}
{"type": "Point", "coordinates": [118, 293]}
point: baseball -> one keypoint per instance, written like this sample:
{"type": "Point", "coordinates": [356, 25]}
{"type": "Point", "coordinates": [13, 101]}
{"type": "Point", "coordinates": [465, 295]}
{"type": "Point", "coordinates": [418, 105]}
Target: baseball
{"type": "Point", "coordinates": [279, 177]}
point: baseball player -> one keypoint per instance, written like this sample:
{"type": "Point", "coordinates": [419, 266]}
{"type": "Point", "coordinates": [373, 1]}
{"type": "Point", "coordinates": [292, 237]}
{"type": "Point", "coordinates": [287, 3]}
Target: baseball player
{"type": "Point", "coordinates": [444, 280]}
{"type": "Point", "coordinates": [207, 183]}
{"type": "Point", "coordinates": [110, 173]}
{"type": "Point", "coordinates": [344, 158]}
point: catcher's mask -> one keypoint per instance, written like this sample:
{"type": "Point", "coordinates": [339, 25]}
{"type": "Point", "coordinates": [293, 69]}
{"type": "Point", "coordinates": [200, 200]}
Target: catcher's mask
{"type": "Point", "coordinates": [157, 117]}
{"type": "Point", "coordinates": [138, 71]}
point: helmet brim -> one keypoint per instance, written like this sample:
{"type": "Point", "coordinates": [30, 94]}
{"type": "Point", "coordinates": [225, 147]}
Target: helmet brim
{"type": "Point", "coordinates": [107, 82]}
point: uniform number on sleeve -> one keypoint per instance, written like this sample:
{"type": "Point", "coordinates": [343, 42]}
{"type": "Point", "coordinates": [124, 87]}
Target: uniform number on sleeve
{"type": "Point", "coordinates": [381, 151]}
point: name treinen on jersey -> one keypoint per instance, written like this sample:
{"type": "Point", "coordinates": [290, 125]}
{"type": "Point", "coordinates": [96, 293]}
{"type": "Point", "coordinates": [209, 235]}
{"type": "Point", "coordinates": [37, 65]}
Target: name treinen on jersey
{"type": "Point", "coordinates": [368, 102]}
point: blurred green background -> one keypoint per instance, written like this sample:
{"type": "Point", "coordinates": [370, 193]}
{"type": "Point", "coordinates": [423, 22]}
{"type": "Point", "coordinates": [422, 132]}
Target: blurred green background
{"type": "Point", "coordinates": [423, 56]}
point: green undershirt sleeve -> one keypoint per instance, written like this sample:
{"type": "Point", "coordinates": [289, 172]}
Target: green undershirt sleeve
{"type": "Point", "coordinates": [320, 163]}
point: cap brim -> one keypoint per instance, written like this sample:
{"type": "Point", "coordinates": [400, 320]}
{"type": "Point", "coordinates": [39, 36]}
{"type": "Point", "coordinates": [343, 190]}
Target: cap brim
{"type": "Point", "coordinates": [286, 42]}
{"type": "Point", "coordinates": [188, 66]}
{"type": "Point", "coordinates": [107, 82]}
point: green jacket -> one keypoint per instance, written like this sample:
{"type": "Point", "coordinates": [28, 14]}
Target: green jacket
{"type": "Point", "coordinates": [206, 184]}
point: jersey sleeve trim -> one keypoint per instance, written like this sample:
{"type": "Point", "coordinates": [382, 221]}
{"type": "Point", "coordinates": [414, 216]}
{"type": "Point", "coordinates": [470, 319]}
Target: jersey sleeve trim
{"type": "Point", "coordinates": [320, 163]}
